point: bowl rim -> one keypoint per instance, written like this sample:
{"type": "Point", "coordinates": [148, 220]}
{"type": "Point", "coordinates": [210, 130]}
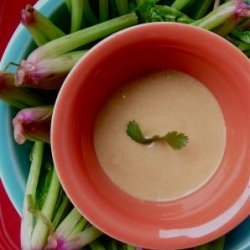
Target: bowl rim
{"type": "Point", "coordinates": [226, 223]}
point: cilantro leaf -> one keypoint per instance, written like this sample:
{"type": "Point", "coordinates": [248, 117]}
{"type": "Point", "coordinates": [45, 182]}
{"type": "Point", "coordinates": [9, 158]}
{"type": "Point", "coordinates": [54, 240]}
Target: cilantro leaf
{"type": "Point", "coordinates": [173, 139]}
{"type": "Point", "coordinates": [135, 133]}
{"type": "Point", "coordinates": [176, 140]}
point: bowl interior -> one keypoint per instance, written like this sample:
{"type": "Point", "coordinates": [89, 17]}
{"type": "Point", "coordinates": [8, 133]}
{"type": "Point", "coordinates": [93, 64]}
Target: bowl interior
{"type": "Point", "coordinates": [106, 67]}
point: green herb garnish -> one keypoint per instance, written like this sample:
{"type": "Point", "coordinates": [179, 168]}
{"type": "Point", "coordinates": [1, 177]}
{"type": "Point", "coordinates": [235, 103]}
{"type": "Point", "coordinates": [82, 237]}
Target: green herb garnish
{"type": "Point", "coordinates": [174, 139]}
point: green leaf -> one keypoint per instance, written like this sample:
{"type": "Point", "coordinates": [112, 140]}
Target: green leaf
{"type": "Point", "coordinates": [135, 133]}
{"type": "Point", "coordinates": [176, 140]}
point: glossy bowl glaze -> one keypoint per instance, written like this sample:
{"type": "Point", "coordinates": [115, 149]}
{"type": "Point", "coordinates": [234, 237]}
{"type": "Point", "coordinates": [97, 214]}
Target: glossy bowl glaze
{"type": "Point", "coordinates": [214, 209]}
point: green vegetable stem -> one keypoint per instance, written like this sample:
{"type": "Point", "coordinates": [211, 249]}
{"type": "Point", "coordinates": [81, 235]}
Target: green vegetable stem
{"type": "Point", "coordinates": [97, 245]}
{"type": "Point", "coordinates": [73, 41]}
{"type": "Point", "coordinates": [200, 8]}
{"type": "Point", "coordinates": [227, 26]}
{"type": "Point", "coordinates": [41, 230]}
{"type": "Point", "coordinates": [221, 14]}
{"type": "Point", "coordinates": [28, 219]}
{"type": "Point", "coordinates": [68, 4]}
{"type": "Point", "coordinates": [103, 10]}
{"type": "Point", "coordinates": [40, 27]}
{"type": "Point", "coordinates": [46, 222]}
{"type": "Point", "coordinates": [122, 6]}
{"type": "Point", "coordinates": [180, 4]}
{"type": "Point", "coordinates": [33, 124]}
{"type": "Point", "coordinates": [88, 13]}
{"type": "Point", "coordinates": [76, 7]}
{"type": "Point", "coordinates": [48, 73]}
{"type": "Point", "coordinates": [17, 97]}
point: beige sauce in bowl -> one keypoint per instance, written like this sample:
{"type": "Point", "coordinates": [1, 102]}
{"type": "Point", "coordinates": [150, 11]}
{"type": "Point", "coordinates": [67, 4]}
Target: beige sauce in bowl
{"type": "Point", "coordinates": [160, 102]}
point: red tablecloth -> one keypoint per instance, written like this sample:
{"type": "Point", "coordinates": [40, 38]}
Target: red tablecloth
{"type": "Point", "coordinates": [9, 219]}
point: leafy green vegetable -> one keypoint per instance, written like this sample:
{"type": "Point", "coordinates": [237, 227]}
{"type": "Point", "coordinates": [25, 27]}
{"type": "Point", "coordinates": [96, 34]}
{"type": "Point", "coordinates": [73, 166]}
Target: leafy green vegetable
{"type": "Point", "coordinates": [77, 7]}
{"type": "Point", "coordinates": [40, 27]}
{"type": "Point", "coordinates": [103, 10]}
{"type": "Point", "coordinates": [62, 208]}
{"type": "Point", "coordinates": [80, 38]}
{"type": "Point", "coordinates": [221, 14]}
{"type": "Point", "coordinates": [43, 185]}
{"type": "Point", "coordinates": [150, 12]}
{"type": "Point", "coordinates": [122, 7]}
{"type": "Point", "coordinates": [200, 8]}
{"type": "Point", "coordinates": [173, 139]}
{"type": "Point", "coordinates": [38, 214]}
{"type": "Point", "coordinates": [113, 245]}
{"type": "Point", "coordinates": [68, 3]}
{"type": "Point", "coordinates": [244, 36]}
{"type": "Point", "coordinates": [245, 47]}
{"type": "Point", "coordinates": [129, 247]}
{"type": "Point", "coordinates": [17, 97]}
{"type": "Point", "coordinates": [28, 220]}
{"type": "Point", "coordinates": [45, 224]}
{"type": "Point", "coordinates": [180, 4]}
{"type": "Point", "coordinates": [41, 230]}
{"type": "Point", "coordinates": [48, 73]}
{"type": "Point", "coordinates": [88, 13]}
{"type": "Point", "coordinates": [96, 245]}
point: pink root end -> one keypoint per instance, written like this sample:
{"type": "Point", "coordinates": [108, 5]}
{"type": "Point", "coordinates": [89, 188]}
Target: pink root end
{"type": "Point", "coordinates": [216, 4]}
{"type": "Point", "coordinates": [56, 243]}
{"type": "Point", "coordinates": [27, 15]}
{"type": "Point", "coordinates": [18, 131]}
{"type": "Point", "coordinates": [24, 74]}
{"type": "Point", "coordinates": [20, 77]}
{"type": "Point", "coordinates": [242, 9]}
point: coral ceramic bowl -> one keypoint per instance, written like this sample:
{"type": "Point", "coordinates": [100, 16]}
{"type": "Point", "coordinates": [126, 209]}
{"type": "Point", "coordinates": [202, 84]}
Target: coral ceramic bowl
{"type": "Point", "coordinates": [212, 210]}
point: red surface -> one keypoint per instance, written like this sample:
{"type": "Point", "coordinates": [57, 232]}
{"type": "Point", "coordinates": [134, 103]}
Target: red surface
{"type": "Point", "coordinates": [9, 219]}
{"type": "Point", "coordinates": [9, 223]}
{"type": "Point", "coordinates": [200, 217]}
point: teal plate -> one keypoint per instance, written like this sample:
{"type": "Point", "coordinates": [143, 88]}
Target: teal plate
{"type": "Point", "coordinates": [14, 159]}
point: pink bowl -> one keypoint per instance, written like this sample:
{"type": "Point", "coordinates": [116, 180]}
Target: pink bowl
{"type": "Point", "coordinates": [214, 209]}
